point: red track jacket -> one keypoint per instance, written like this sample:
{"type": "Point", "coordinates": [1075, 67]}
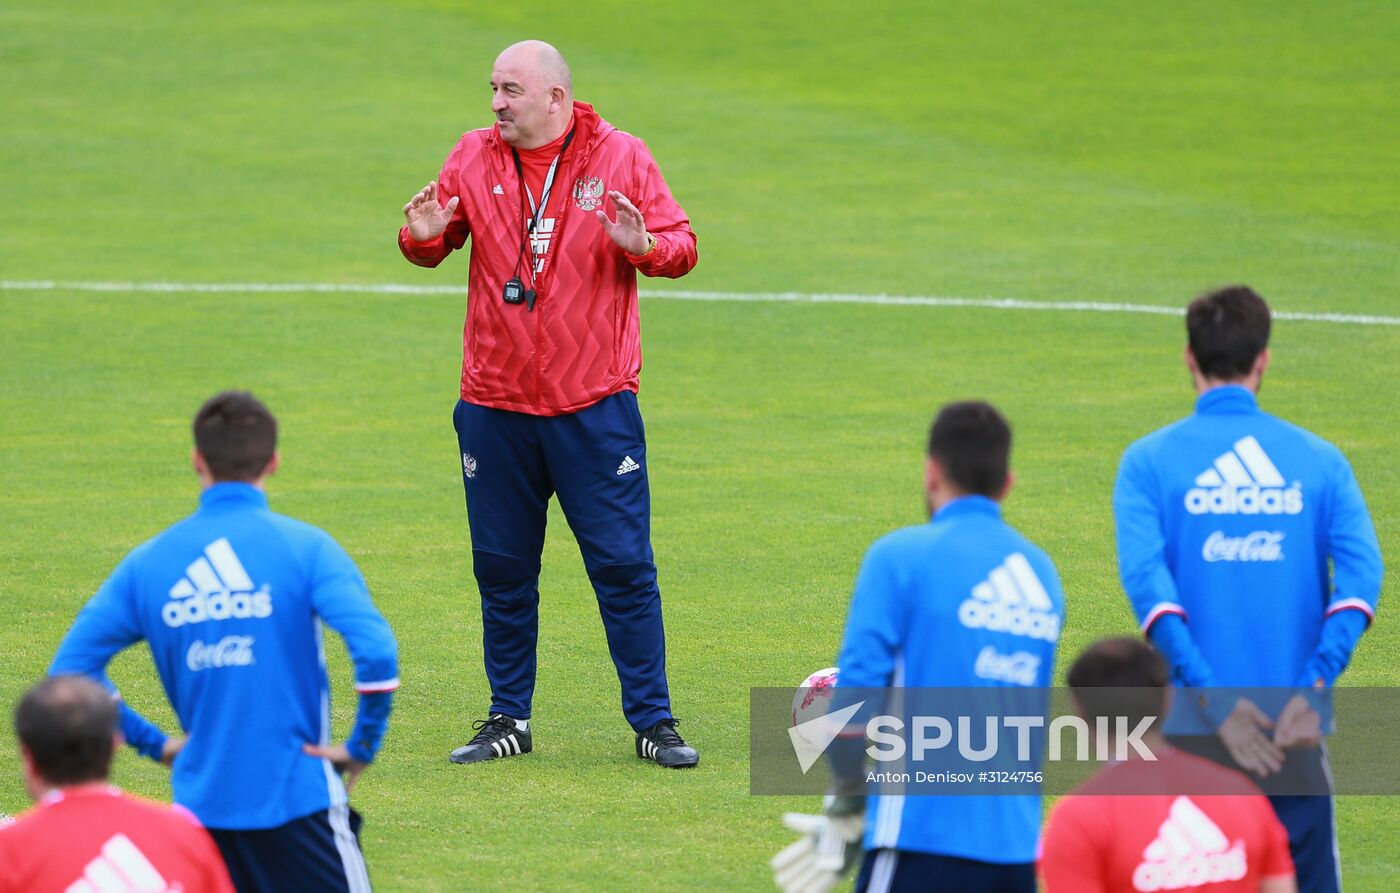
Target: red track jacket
{"type": "Point", "coordinates": [582, 341]}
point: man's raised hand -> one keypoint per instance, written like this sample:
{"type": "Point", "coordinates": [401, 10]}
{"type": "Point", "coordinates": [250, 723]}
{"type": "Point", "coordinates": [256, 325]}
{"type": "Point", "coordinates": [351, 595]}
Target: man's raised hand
{"type": "Point", "coordinates": [426, 218]}
{"type": "Point", "coordinates": [630, 231]}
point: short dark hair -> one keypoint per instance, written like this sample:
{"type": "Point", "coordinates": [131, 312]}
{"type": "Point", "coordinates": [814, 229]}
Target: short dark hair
{"type": "Point", "coordinates": [236, 435]}
{"type": "Point", "coordinates": [1119, 677]}
{"type": "Point", "coordinates": [67, 723]}
{"type": "Point", "coordinates": [1227, 329]}
{"type": "Point", "coordinates": [972, 442]}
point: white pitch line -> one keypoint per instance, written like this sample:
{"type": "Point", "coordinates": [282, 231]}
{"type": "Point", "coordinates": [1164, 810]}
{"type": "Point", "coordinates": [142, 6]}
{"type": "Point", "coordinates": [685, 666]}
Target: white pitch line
{"type": "Point", "coordinates": [791, 297]}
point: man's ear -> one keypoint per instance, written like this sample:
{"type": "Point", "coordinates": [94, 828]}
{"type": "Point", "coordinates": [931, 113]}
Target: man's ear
{"type": "Point", "coordinates": [33, 783]}
{"type": "Point", "coordinates": [1007, 487]}
{"type": "Point", "coordinates": [933, 474]}
{"type": "Point", "coordinates": [272, 465]}
{"type": "Point", "coordinates": [1261, 363]}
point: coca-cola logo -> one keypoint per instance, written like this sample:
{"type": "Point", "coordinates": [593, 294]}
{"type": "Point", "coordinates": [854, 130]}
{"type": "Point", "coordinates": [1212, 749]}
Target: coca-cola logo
{"type": "Point", "coordinates": [1019, 668]}
{"type": "Point", "coordinates": [230, 651]}
{"type": "Point", "coordinates": [1261, 545]}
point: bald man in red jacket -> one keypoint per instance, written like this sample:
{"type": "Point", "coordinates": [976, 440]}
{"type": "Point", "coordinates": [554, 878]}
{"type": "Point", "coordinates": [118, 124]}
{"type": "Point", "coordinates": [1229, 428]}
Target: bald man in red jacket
{"type": "Point", "coordinates": [562, 211]}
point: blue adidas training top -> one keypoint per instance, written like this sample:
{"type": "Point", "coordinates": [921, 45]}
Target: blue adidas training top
{"type": "Point", "coordinates": [964, 601]}
{"type": "Point", "coordinates": [231, 601]}
{"type": "Point", "coordinates": [1226, 523]}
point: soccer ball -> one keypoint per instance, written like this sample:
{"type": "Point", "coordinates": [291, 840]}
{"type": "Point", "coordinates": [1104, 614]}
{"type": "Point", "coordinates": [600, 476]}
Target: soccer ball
{"type": "Point", "coordinates": [813, 699]}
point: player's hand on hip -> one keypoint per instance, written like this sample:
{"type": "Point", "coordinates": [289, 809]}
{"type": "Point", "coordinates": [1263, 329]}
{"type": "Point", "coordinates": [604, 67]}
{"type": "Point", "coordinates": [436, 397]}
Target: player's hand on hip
{"type": "Point", "coordinates": [340, 758]}
{"type": "Point", "coordinates": [1244, 733]}
{"type": "Point", "coordinates": [1299, 725]}
{"type": "Point", "coordinates": [426, 218]}
{"type": "Point", "coordinates": [171, 749]}
{"type": "Point", "coordinates": [629, 231]}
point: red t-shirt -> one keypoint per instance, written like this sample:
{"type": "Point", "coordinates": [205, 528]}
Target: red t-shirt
{"type": "Point", "coordinates": [95, 839]}
{"type": "Point", "coordinates": [1102, 842]}
{"type": "Point", "coordinates": [534, 163]}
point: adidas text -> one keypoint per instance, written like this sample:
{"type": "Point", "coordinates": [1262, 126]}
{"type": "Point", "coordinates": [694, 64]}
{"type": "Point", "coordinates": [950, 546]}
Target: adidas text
{"type": "Point", "coordinates": [216, 586]}
{"type": "Point", "coordinates": [1191, 851]}
{"type": "Point", "coordinates": [1253, 500]}
{"type": "Point", "coordinates": [1243, 481]}
{"type": "Point", "coordinates": [628, 465]}
{"type": "Point", "coordinates": [1012, 600]}
{"type": "Point", "coordinates": [218, 606]}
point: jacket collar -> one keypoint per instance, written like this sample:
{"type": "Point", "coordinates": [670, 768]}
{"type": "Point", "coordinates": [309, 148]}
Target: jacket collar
{"type": "Point", "coordinates": [1229, 399]}
{"type": "Point", "coordinates": [590, 129]}
{"type": "Point", "coordinates": [228, 494]}
{"type": "Point", "coordinates": [965, 506]}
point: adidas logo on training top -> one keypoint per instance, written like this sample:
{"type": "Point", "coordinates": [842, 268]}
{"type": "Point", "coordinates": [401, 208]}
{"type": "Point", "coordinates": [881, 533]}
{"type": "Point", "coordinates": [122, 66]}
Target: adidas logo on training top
{"type": "Point", "coordinates": [628, 464]}
{"type": "Point", "coordinates": [1244, 481]}
{"type": "Point", "coordinates": [1190, 851]}
{"type": "Point", "coordinates": [216, 587]}
{"type": "Point", "coordinates": [121, 868]}
{"type": "Point", "coordinates": [1012, 600]}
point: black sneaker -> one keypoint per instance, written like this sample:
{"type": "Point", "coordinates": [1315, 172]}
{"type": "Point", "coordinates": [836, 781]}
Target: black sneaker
{"type": "Point", "coordinates": [664, 744]}
{"type": "Point", "coordinates": [497, 737]}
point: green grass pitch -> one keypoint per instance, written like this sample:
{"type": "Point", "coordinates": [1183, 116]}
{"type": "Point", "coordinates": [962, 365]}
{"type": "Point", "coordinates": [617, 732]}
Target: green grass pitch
{"type": "Point", "coordinates": [1045, 151]}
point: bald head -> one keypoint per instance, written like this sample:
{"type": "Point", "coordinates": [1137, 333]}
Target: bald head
{"type": "Point", "coordinates": [542, 60]}
{"type": "Point", "coordinates": [532, 94]}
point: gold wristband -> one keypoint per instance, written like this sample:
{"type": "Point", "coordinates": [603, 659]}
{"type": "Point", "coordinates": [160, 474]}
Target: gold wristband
{"type": "Point", "coordinates": [651, 245]}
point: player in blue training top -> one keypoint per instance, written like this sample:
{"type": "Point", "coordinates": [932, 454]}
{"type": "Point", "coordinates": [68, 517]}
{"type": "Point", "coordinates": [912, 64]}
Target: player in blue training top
{"type": "Point", "coordinates": [964, 601]}
{"type": "Point", "coordinates": [231, 601]}
{"type": "Point", "coordinates": [1226, 523]}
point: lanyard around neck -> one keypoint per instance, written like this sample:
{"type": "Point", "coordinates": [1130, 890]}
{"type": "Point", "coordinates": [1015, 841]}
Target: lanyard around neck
{"type": "Point", "coordinates": [536, 212]}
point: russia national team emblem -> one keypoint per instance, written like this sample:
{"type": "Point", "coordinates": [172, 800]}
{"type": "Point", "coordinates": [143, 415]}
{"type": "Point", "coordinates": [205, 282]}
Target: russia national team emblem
{"type": "Point", "coordinates": [588, 193]}
{"type": "Point", "coordinates": [469, 465]}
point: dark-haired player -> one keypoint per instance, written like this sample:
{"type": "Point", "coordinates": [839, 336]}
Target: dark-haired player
{"type": "Point", "coordinates": [1227, 522]}
{"type": "Point", "coordinates": [964, 601]}
{"type": "Point", "coordinates": [232, 601]}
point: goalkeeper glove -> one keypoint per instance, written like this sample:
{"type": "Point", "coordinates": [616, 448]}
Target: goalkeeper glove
{"type": "Point", "coordinates": [827, 849]}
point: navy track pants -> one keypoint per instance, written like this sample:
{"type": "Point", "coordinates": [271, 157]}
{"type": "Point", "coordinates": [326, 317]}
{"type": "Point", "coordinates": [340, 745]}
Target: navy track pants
{"type": "Point", "coordinates": [595, 461]}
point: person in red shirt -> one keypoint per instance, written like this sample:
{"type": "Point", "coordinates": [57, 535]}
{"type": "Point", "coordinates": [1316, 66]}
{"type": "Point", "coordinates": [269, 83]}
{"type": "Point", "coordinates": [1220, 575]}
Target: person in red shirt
{"type": "Point", "coordinates": [85, 836]}
{"type": "Point", "coordinates": [563, 211]}
{"type": "Point", "coordinates": [1176, 823]}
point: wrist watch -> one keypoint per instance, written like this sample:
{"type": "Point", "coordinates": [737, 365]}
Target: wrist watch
{"type": "Point", "coordinates": [651, 245]}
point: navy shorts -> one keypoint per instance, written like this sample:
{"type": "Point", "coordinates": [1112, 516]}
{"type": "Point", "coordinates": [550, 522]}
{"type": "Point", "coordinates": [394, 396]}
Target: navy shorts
{"type": "Point", "coordinates": [901, 871]}
{"type": "Point", "coordinates": [318, 853]}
